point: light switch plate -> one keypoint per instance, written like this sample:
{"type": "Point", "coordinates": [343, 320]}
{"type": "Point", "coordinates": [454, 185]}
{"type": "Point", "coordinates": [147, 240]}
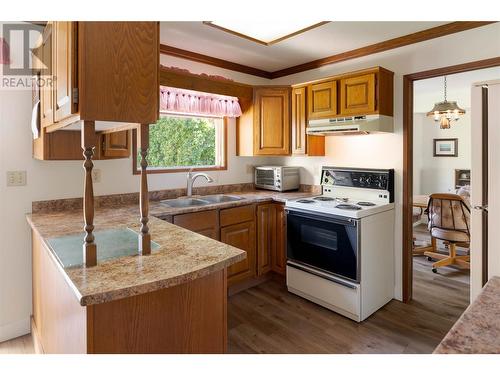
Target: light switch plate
{"type": "Point", "coordinates": [16, 178]}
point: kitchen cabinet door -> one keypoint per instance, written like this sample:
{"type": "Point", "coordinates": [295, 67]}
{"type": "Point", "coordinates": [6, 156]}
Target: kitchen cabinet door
{"type": "Point", "coordinates": [272, 121]}
{"type": "Point", "coordinates": [204, 222]}
{"type": "Point", "coordinates": [241, 236]}
{"type": "Point", "coordinates": [322, 100]}
{"type": "Point", "coordinates": [266, 236]}
{"type": "Point", "coordinates": [278, 257]}
{"type": "Point", "coordinates": [46, 90]}
{"type": "Point", "coordinates": [64, 69]}
{"type": "Point", "coordinates": [357, 95]}
{"type": "Point", "coordinates": [299, 121]}
{"type": "Point", "coordinates": [116, 145]}
{"type": "Point", "coordinates": [302, 144]}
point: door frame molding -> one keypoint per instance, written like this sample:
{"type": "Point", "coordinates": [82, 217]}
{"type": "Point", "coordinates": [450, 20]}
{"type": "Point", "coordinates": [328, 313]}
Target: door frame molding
{"type": "Point", "coordinates": [408, 81]}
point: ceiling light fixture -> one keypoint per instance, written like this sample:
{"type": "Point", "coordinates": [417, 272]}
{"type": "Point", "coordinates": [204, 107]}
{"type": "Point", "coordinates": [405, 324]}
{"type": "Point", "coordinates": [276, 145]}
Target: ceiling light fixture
{"type": "Point", "coordinates": [446, 112]}
{"type": "Point", "coordinates": [262, 32]}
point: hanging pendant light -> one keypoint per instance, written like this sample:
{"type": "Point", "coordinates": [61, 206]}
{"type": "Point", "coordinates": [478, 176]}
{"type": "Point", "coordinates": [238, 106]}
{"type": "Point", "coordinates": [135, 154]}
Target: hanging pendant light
{"type": "Point", "coordinates": [446, 112]}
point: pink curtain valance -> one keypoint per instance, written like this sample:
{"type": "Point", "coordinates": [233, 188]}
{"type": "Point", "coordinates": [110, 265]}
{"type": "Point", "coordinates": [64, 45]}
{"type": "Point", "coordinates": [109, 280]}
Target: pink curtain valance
{"type": "Point", "coordinates": [196, 102]}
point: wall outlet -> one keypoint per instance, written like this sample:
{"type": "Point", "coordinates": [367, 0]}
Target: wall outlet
{"type": "Point", "coordinates": [250, 168]}
{"type": "Point", "coordinates": [96, 175]}
{"type": "Point", "coordinates": [16, 178]}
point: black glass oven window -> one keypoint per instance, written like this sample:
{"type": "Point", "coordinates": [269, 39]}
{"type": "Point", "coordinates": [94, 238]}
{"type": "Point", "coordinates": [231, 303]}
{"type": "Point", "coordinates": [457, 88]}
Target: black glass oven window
{"type": "Point", "coordinates": [326, 245]}
{"type": "Point", "coordinates": [319, 237]}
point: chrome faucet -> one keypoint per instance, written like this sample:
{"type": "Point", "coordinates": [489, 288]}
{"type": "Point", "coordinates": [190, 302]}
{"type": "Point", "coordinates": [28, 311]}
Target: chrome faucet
{"type": "Point", "coordinates": [190, 180]}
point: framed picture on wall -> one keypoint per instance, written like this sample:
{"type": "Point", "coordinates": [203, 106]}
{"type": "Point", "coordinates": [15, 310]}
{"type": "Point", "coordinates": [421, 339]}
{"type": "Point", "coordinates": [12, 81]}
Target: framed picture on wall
{"type": "Point", "coordinates": [446, 147]}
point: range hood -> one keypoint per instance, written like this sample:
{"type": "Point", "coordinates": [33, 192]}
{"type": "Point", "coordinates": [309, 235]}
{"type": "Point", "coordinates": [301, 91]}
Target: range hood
{"type": "Point", "coordinates": [351, 125]}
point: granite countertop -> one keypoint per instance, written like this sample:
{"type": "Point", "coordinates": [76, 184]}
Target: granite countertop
{"type": "Point", "coordinates": [182, 255]}
{"type": "Point", "coordinates": [477, 331]}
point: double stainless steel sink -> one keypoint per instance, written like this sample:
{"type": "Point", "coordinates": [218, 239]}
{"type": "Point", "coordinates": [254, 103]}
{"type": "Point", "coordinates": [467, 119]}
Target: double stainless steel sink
{"type": "Point", "coordinates": [201, 200]}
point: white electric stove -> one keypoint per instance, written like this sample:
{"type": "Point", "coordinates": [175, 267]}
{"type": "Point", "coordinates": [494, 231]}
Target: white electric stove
{"type": "Point", "coordinates": [340, 245]}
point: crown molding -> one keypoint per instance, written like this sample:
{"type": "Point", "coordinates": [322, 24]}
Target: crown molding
{"type": "Point", "coordinates": [420, 36]}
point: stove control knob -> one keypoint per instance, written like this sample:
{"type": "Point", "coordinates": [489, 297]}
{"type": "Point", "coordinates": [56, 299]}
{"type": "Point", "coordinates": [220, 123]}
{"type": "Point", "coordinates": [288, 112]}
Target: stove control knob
{"type": "Point", "coordinates": [369, 180]}
{"type": "Point", "coordinates": [326, 180]}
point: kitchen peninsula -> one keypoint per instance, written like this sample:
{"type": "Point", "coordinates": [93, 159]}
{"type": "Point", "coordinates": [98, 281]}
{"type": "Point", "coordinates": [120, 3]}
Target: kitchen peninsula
{"type": "Point", "coordinates": [171, 301]}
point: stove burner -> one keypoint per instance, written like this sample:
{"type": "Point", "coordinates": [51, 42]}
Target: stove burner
{"type": "Point", "coordinates": [305, 201]}
{"type": "Point", "coordinates": [324, 199]}
{"type": "Point", "coordinates": [365, 204]}
{"type": "Point", "coordinates": [344, 206]}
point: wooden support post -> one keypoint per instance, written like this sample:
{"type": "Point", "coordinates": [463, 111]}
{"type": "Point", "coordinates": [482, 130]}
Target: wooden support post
{"type": "Point", "coordinates": [145, 236]}
{"type": "Point", "coordinates": [88, 145]}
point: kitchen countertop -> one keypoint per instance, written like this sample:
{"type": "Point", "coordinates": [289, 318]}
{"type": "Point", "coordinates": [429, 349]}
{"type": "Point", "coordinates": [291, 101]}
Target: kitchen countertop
{"type": "Point", "coordinates": [160, 210]}
{"type": "Point", "coordinates": [478, 329]}
{"type": "Point", "coordinates": [182, 256]}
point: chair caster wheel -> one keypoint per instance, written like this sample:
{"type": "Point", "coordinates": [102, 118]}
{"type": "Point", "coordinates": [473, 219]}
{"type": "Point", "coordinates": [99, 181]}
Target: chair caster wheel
{"type": "Point", "coordinates": [435, 270]}
{"type": "Point", "coordinates": [429, 259]}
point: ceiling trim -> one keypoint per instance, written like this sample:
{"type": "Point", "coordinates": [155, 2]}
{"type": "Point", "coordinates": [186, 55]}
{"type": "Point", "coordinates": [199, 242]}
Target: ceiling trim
{"type": "Point", "coordinates": [255, 40]}
{"type": "Point", "coordinates": [204, 59]}
{"type": "Point", "coordinates": [420, 36]}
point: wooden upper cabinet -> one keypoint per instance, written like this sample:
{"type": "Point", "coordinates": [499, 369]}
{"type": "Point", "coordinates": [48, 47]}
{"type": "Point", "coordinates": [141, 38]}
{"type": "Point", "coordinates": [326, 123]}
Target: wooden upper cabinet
{"type": "Point", "coordinates": [271, 121]}
{"type": "Point", "coordinates": [46, 92]}
{"type": "Point", "coordinates": [322, 100]}
{"type": "Point", "coordinates": [101, 71]}
{"type": "Point", "coordinates": [299, 121]}
{"type": "Point", "coordinates": [119, 71]}
{"type": "Point", "coordinates": [357, 94]}
{"type": "Point", "coordinates": [302, 144]}
{"type": "Point", "coordinates": [116, 145]}
{"type": "Point", "coordinates": [64, 70]}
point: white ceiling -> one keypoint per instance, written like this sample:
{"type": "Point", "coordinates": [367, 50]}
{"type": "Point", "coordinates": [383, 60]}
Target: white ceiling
{"type": "Point", "coordinates": [429, 91]}
{"type": "Point", "coordinates": [329, 39]}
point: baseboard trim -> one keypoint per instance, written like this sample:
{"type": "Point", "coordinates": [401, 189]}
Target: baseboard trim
{"type": "Point", "coordinates": [12, 330]}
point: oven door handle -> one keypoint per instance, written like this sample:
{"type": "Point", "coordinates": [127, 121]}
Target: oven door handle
{"type": "Point", "coordinates": [328, 218]}
{"type": "Point", "coordinates": [319, 273]}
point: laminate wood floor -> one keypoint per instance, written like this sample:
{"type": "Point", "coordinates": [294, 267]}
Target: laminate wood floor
{"type": "Point", "coordinates": [269, 319]}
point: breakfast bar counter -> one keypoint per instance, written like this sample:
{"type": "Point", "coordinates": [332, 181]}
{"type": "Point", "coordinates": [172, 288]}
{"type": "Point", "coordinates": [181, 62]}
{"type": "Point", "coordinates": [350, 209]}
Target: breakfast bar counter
{"type": "Point", "coordinates": [171, 301]}
{"type": "Point", "coordinates": [478, 329]}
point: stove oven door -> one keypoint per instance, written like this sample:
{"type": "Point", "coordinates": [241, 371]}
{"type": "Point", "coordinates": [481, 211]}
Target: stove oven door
{"type": "Point", "coordinates": [323, 242]}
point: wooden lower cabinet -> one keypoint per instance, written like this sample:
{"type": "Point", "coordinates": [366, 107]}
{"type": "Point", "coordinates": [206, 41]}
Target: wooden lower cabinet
{"type": "Point", "coordinates": [266, 236]}
{"type": "Point", "coordinates": [271, 238]}
{"type": "Point", "coordinates": [278, 256]}
{"type": "Point", "coordinates": [241, 236]}
{"type": "Point", "coordinates": [186, 318]}
{"type": "Point", "coordinates": [259, 230]}
{"type": "Point", "coordinates": [204, 222]}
